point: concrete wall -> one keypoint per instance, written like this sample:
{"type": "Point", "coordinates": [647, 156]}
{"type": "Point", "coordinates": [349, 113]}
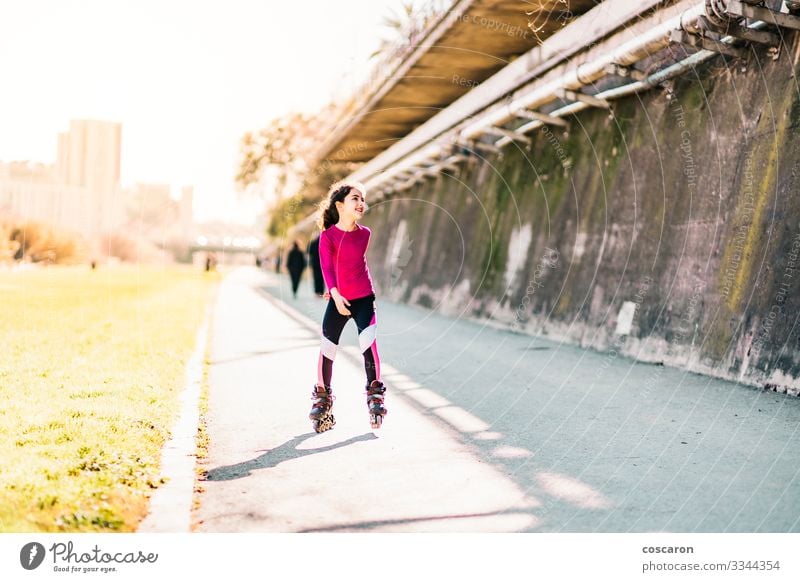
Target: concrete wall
{"type": "Point", "coordinates": [668, 232]}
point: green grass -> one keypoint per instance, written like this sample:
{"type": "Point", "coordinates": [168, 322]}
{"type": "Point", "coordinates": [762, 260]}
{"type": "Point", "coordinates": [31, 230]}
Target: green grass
{"type": "Point", "coordinates": [91, 366]}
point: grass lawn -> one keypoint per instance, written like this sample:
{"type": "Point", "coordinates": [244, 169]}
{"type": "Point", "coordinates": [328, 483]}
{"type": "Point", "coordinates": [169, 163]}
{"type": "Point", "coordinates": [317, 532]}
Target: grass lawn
{"type": "Point", "coordinates": [91, 366]}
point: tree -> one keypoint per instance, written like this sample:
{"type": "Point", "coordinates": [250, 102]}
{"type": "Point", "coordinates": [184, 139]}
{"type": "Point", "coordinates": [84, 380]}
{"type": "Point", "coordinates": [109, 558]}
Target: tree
{"type": "Point", "coordinates": [284, 143]}
{"type": "Point", "coordinates": [398, 23]}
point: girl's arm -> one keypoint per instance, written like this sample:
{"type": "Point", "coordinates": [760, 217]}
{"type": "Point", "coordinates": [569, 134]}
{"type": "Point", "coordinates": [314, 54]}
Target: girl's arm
{"type": "Point", "coordinates": [327, 263]}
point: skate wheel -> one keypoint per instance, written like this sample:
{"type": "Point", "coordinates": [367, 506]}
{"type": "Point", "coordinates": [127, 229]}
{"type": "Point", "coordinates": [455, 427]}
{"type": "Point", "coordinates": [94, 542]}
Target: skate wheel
{"type": "Point", "coordinates": [324, 423]}
{"type": "Point", "coordinates": [375, 420]}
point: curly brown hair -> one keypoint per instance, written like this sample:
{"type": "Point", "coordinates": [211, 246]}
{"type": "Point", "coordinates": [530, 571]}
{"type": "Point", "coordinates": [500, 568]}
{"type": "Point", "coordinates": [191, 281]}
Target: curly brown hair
{"type": "Point", "coordinates": [328, 213]}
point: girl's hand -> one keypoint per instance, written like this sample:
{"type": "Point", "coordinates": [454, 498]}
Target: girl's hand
{"type": "Point", "coordinates": [340, 305]}
{"type": "Point", "coordinates": [327, 295]}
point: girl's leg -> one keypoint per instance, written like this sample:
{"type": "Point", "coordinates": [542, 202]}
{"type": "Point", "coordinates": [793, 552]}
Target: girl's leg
{"type": "Point", "coordinates": [366, 321]}
{"type": "Point", "coordinates": [333, 323]}
{"type": "Point", "coordinates": [365, 314]}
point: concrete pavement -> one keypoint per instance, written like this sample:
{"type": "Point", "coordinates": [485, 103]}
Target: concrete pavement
{"type": "Point", "coordinates": [488, 430]}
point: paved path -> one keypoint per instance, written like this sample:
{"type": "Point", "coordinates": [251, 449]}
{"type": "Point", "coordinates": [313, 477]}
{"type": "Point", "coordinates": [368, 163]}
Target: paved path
{"type": "Point", "coordinates": [487, 431]}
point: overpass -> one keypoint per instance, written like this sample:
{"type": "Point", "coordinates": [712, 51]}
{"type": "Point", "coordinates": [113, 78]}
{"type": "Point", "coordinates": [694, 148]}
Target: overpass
{"type": "Point", "coordinates": [226, 240]}
{"type": "Point", "coordinates": [463, 46]}
{"type": "Point", "coordinates": [548, 87]}
{"type": "Point", "coordinates": [625, 48]}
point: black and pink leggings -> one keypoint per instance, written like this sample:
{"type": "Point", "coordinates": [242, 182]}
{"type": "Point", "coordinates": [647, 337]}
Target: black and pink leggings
{"type": "Point", "coordinates": [362, 310]}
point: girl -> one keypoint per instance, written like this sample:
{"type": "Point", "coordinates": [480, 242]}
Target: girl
{"type": "Point", "coordinates": [343, 258]}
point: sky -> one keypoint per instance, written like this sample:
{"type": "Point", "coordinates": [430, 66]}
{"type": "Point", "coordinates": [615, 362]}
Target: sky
{"type": "Point", "coordinates": [185, 79]}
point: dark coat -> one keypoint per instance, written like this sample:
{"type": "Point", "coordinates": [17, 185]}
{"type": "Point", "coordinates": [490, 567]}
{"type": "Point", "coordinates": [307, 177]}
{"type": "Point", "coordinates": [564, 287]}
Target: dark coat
{"type": "Point", "coordinates": [296, 261]}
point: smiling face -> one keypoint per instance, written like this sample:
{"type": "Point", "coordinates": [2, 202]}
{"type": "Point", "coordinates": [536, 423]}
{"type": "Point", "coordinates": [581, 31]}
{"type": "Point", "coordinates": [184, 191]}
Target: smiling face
{"type": "Point", "coordinates": [353, 205]}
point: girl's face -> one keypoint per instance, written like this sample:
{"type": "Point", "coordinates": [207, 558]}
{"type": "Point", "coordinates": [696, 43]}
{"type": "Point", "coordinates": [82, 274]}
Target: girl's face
{"type": "Point", "coordinates": [353, 205]}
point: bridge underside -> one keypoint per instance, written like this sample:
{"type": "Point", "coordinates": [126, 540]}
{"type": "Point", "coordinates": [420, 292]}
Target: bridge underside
{"type": "Point", "coordinates": [471, 43]}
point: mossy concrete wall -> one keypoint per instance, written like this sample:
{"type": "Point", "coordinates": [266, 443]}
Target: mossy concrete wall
{"type": "Point", "coordinates": [668, 231]}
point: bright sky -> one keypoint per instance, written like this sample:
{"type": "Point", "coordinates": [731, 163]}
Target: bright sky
{"type": "Point", "coordinates": [185, 78]}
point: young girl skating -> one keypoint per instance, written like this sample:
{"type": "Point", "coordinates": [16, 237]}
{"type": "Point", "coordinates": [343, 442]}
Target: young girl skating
{"type": "Point", "coordinates": [343, 257]}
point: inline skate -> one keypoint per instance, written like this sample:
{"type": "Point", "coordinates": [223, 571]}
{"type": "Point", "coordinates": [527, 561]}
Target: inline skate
{"type": "Point", "coordinates": [375, 392]}
{"type": "Point", "coordinates": [321, 416]}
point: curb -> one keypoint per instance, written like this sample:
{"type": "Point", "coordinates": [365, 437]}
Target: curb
{"type": "Point", "coordinates": [171, 504]}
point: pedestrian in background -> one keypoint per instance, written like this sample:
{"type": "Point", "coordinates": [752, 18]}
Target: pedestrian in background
{"type": "Point", "coordinates": [296, 264]}
{"type": "Point", "coordinates": [316, 269]}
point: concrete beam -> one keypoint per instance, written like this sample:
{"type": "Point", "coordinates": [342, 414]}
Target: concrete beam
{"type": "Point", "coordinates": [733, 29]}
{"type": "Point", "coordinates": [486, 147]}
{"type": "Point", "coordinates": [744, 10]}
{"type": "Point", "coordinates": [545, 119]}
{"type": "Point", "coordinates": [512, 135]}
{"type": "Point", "coordinates": [705, 43]}
{"type": "Point", "coordinates": [626, 72]}
{"type": "Point", "coordinates": [583, 98]}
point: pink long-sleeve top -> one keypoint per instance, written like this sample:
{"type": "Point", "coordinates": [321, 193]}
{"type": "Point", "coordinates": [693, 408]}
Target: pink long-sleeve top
{"type": "Point", "coordinates": [343, 258]}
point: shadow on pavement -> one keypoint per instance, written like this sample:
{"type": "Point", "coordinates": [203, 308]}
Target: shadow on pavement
{"type": "Point", "coordinates": [389, 522]}
{"type": "Point", "coordinates": [272, 457]}
{"type": "Point", "coordinates": [258, 353]}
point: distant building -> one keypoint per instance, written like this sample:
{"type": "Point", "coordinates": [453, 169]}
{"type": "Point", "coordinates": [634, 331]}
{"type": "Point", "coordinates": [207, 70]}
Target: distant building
{"type": "Point", "coordinates": [31, 191]}
{"type": "Point", "coordinates": [89, 157]}
{"type": "Point", "coordinates": [81, 191]}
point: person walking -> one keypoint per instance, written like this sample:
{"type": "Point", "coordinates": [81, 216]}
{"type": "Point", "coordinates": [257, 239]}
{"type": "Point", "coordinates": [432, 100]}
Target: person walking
{"type": "Point", "coordinates": [343, 258]}
{"type": "Point", "coordinates": [295, 264]}
{"type": "Point", "coordinates": [316, 268]}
